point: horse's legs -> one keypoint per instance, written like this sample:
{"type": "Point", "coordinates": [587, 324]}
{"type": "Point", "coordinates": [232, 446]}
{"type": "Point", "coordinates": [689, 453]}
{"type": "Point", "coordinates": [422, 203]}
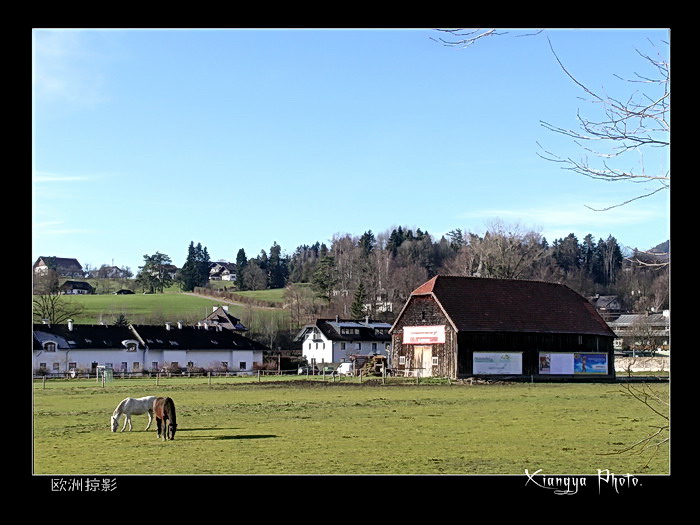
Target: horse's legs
{"type": "Point", "coordinates": [158, 424]}
{"type": "Point", "coordinates": [150, 418]}
{"type": "Point", "coordinates": [126, 420]}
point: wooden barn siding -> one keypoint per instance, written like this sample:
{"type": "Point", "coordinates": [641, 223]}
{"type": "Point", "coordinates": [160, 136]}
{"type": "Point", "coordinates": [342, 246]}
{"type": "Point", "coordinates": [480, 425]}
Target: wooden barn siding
{"type": "Point", "coordinates": [531, 344]}
{"type": "Point", "coordinates": [424, 311]}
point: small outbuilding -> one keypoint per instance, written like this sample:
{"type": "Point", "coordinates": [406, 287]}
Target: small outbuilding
{"type": "Point", "coordinates": [461, 327]}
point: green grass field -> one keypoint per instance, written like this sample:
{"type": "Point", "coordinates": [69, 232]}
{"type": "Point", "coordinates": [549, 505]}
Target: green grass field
{"type": "Point", "coordinates": [242, 426]}
{"type": "Point", "coordinates": [170, 306]}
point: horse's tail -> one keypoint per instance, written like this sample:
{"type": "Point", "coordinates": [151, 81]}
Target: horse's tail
{"type": "Point", "coordinates": [120, 406]}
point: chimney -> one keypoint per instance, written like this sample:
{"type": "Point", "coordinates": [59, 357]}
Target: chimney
{"type": "Point", "coordinates": [167, 326]}
{"type": "Point", "coordinates": [366, 319]}
{"type": "Point", "coordinates": [70, 325]}
{"type": "Point", "coordinates": [179, 325]}
{"type": "Point", "coordinates": [336, 319]}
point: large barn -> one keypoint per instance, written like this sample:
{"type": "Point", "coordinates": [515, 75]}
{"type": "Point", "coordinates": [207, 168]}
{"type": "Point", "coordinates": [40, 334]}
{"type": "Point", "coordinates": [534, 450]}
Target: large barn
{"type": "Point", "coordinates": [461, 327]}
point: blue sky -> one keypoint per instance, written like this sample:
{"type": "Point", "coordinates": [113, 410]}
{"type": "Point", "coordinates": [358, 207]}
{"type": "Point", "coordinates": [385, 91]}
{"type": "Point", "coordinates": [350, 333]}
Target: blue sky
{"type": "Point", "coordinates": [145, 140]}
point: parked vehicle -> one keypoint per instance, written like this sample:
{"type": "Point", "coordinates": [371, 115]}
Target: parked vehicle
{"type": "Point", "coordinates": [328, 369]}
{"type": "Point", "coordinates": [345, 369]}
{"type": "Point", "coordinates": [311, 370]}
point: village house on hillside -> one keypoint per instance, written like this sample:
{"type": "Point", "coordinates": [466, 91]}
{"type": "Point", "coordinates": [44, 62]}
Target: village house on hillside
{"type": "Point", "coordinates": [134, 349]}
{"type": "Point", "coordinates": [220, 316]}
{"type": "Point", "coordinates": [64, 267]}
{"type": "Point", "coordinates": [76, 288]}
{"type": "Point", "coordinates": [222, 271]}
{"type": "Point", "coordinates": [336, 340]}
{"type": "Point", "coordinates": [469, 326]}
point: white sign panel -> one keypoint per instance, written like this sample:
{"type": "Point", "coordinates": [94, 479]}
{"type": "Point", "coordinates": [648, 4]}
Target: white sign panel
{"type": "Point", "coordinates": [423, 335]}
{"type": "Point", "coordinates": [556, 363]}
{"type": "Point", "coordinates": [498, 363]}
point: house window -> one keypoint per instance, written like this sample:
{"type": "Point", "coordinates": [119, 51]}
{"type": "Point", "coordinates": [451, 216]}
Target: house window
{"type": "Point", "coordinates": [224, 365]}
{"type": "Point", "coordinates": [50, 347]}
{"type": "Point", "coordinates": [124, 366]}
{"type": "Point", "coordinates": [154, 365]}
{"type": "Point", "coordinates": [242, 365]}
{"type": "Point", "coordinates": [131, 347]}
{"type": "Point", "coordinates": [580, 339]}
{"type": "Point", "coordinates": [374, 346]}
{"type": "Point", "coordinates": [42, 366]}
{"type": "Point", "coordinates": [342, 346]}
{"type": "Point", "coordinates": [435, 360]}
{"type": "Point", "coordinates": [359, 346]}
{"type": "Point", "coordinates": [56, 367]}
{"type": "Point", "coordinates": [135, 366]}
{"type": "Point", "coordinates": [402, 359]}
{"type": "Point", "coordinates": [72, 365]}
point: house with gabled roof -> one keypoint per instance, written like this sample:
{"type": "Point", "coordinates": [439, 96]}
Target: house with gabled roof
{"type": "Point", "coordinates": [64, 267]}
{"type": "Point", "coordinates": [59, 348]}
{"type": "Point", "coordinates": [336, 340]}
{"type": "Point", "coordinates": [220, 316]}
{"type": "Point", "coordinates": [460, 327]}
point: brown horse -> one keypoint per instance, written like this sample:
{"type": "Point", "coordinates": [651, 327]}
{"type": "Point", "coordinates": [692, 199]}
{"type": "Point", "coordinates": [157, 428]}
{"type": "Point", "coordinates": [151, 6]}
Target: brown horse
{"type": "Point", "coordinates": [164, 410]}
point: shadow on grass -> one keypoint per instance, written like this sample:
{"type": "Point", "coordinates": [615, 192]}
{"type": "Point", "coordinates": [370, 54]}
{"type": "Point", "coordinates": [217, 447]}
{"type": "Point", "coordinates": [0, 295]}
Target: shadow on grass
{"type": "Point", "coordinates": [238, 436]}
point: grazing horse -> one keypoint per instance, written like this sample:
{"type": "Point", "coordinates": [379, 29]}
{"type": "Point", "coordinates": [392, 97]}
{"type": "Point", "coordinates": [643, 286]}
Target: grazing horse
{"type": "Point", "coordinates": [129, 406]}
{"type": "Point", "coordinates": [164, 409]}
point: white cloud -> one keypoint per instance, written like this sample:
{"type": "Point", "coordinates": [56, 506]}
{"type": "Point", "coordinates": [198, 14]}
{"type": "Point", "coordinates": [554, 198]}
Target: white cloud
{"type": "Point", "coordinates": [64, 71]}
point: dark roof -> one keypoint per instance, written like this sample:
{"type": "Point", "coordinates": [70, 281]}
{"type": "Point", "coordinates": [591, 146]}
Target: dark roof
{"type": "Point", "coordinates": [155, 337]}
{"type": "Point", "coordinates": [77, 285]}
{"type": "Point", "coordinates": [159, 337]}
{"type": "Point", "coordinates": [61, 262]}
{"type": "Point", "coordinates": [84, 336]}
{"type": "Point", "coordinates": [475, 304]}
{"type": "Point", "coordinates": [221, 317]}
{"type": "Point", "coordinates": [363, 330]}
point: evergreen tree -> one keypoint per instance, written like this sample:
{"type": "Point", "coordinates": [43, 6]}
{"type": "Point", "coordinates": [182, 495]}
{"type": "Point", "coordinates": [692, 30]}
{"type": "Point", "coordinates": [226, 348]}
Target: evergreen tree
{"type": "Point", "coordinates": [277, 267]}
{"type": "Point", "coordinates": [357, 309]}
{"type": "Point", "coordinates": [241, 263]}
{"type": "Point", "coordinates": [195, 271]}
{"type": "Point", "coordinates": [325, 278]}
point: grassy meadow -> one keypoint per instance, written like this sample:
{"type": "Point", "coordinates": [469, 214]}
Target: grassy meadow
{"type": "Point", "coordinates": [242, 426]}
{"type": "Point", "coordinates": [170, 306]}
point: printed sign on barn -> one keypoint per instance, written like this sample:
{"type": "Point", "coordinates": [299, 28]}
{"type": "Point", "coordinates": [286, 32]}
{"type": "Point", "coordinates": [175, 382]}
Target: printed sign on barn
{"type": "Point", "coordinates": [423, 335]}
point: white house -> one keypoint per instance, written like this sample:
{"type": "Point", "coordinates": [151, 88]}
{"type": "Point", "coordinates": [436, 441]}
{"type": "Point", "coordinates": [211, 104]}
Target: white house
{"type": "Point", "coordinates": [336, 340]}
{"type": "Point", "coordinates": [133, 349]}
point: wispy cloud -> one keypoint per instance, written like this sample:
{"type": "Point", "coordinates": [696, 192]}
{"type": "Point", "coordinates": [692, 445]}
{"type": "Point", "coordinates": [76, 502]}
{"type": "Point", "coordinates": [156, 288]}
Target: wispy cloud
{"type": "Point", "coordinates": [43, 176]}
{"type": "Point", "coordinates": [566, 217]}
{"type": "Point", "coordinates": [64, 70]}
{"type": "Point", "coordinates": [57, 228]}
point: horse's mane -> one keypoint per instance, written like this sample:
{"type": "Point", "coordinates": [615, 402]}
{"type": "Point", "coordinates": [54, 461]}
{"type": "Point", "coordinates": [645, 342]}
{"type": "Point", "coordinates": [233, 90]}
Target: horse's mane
{"type": "Point", "coordinates": [120, 406]}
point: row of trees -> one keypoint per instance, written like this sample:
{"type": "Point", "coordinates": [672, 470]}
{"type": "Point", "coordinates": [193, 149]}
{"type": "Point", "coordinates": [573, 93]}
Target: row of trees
{"type": "Point", "coordinates": [373, 274]}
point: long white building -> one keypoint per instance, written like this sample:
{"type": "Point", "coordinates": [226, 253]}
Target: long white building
{"type": "Point", "coordinates": [66, 347]}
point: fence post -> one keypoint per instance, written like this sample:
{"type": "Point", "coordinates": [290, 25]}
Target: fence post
{"type": "Point", "coordinates": [44, 383]}
{"type": "Point", "coordinates": [209, 376]}
{"type": "Point", "coordinates": [157, 377]}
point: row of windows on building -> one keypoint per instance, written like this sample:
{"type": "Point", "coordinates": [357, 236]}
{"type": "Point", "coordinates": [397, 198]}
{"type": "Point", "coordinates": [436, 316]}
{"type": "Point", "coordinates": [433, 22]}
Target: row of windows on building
{"type": "Point", "coordinates": [358, 346]}
{"type": "Point", "coordinates": [136, 366]}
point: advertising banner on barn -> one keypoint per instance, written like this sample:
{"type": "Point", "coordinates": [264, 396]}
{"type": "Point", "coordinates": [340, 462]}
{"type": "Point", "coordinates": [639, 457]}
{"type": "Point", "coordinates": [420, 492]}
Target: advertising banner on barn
{"type": "Point", "coordinates": [573, 363]}
{"type": "Point", "coordinates": [498, 363]}
{"type": "Point", "coordinates": [423, 335]}
{"type": "Point", "coordinates": [590, 363]}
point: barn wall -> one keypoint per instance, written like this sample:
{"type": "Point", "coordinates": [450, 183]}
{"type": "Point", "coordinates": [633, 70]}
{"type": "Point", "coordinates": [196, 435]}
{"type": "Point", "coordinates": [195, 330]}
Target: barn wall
{"type": "Point", "coordinates": [424, 311]}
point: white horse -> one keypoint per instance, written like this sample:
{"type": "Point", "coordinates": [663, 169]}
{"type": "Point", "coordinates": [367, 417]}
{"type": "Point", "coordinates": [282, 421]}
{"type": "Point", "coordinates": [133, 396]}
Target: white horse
{"type": "Point", "coordinates": [129, 406]}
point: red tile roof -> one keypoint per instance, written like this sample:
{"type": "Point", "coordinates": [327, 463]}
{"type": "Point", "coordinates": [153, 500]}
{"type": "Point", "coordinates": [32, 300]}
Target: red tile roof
{"type": "Point", "coordinates": [476, 304]}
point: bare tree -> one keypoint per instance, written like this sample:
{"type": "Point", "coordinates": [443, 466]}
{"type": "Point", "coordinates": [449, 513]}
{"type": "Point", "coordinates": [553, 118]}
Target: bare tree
{"type": "Point", "coordinates": [55, 309]}
{"type": "Point", "coordinates": [635, 124]}
{"type": "Point", "coordinates": [626, 126]}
